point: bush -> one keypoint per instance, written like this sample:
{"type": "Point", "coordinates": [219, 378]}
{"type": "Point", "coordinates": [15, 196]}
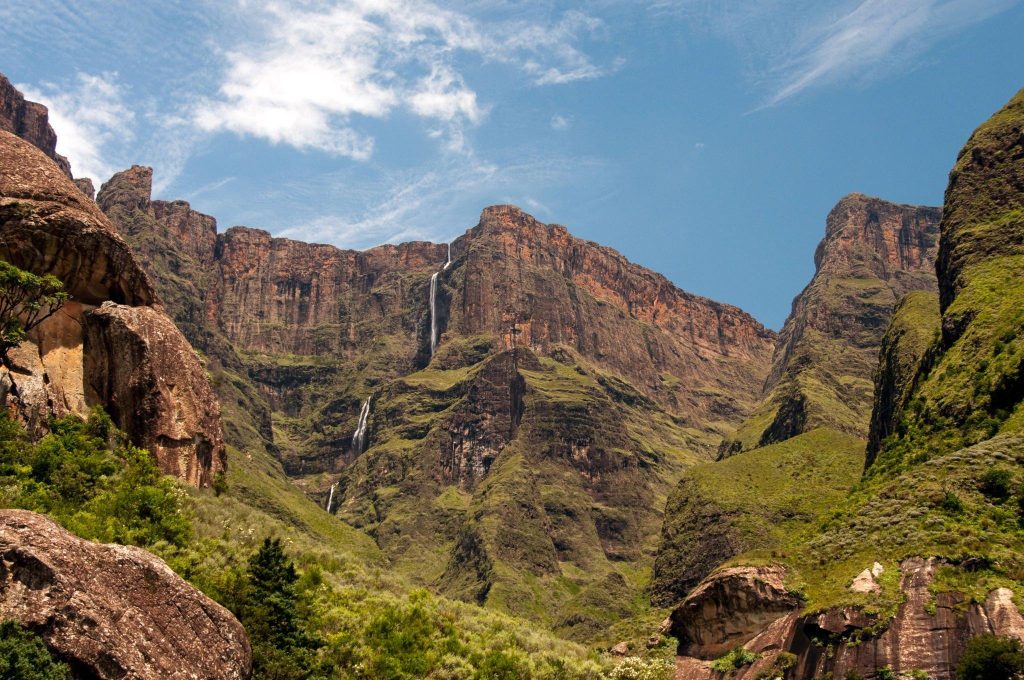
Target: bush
{"type": "Point", "coordinates": [996, 483]}
{"type": "Point", "coordinates": [991, 657]}
{"type": "Point", "coordinates": [636, 668]}
{"type": "Point", "coordinates": [737, 658]}
{"type": "Point", "coordinates": [23, 656]}
{"type": "Point", "coordinates": [90, 479]}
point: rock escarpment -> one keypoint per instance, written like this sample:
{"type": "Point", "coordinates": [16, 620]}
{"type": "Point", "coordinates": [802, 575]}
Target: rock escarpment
{"type": "Point", "coordinates": [111, 611]}
{"type": "Point", "coordinates": [568, 388]}
{"type": "Point", "coordinates": [874, 252]}
{"type": "Point", "coordinates": [30, 121]}
{"type": "Point", "coordinates": [49, 227]}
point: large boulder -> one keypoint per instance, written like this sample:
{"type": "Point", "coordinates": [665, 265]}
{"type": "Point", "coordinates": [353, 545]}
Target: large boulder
{"type": "Point", "coordinates": [113, 611]}
{"type": "Point", "coordinates": [153, 385]}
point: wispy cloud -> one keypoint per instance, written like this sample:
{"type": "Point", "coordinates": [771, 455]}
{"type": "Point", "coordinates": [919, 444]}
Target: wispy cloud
{"type": "Point", "coordinates": [792, 46]}
{"type": "Point", "coordinates": [91, 116]}
{"type": "Point", "coordinates": [306, 74]}
{"type": "Point", "coordinates": [560, 122]}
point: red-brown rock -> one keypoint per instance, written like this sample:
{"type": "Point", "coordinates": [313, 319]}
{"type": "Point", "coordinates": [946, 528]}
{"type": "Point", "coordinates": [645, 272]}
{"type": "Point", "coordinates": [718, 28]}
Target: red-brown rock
{"type": "Point", "coordinates": [30, 121]}
{"type": "Point", "coordinates": [113, 611]}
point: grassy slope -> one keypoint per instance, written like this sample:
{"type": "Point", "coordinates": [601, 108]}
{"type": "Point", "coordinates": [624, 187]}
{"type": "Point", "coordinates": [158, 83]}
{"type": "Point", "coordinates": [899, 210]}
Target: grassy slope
{"type": "Point", "coordinates": [760, 503]}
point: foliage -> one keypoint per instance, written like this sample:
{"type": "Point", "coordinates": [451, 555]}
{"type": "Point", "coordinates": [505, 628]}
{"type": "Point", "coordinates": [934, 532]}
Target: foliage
{"type": "Point", "coordinates": [87, 476]}
{"type": "Point", "coordinates": [737, 658]}
{"type": "Point", "coordinates": [996, 483]}
{"type": "Point", "coordinates": [991, 657]}
{"type": "Point", "coordinates": [637, 668]}
{"type": "Point", "coordinates": [26, 300]}
{"type": "Point", "coordinates": [23, 656]}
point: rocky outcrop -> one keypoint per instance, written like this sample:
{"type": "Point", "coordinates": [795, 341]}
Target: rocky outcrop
{"type": "Point", "coordinates": [874, 252]}
{"type": "Point", "coordinates": [984, 203]}
{"type": "Point", "coordinates": [30, 121]}
{"type": "Point", "coordinates": [750, 607]}
{"type": "Point", "coordinates": [140, 367]}
{"type": "Point", "coordinates": [49, 227]}
{"type": "Point", "coordinates": [560, 290]}
{"type": "Point", "coordinates": [905, 346]}
{"type": "Point", "coordinates": [111, 611]}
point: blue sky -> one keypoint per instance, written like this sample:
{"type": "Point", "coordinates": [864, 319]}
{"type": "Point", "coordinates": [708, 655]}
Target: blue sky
{"type": "Point", "coordinates": [706, 139]}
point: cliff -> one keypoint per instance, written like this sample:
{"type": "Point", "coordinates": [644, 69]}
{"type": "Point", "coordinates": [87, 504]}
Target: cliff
{"type": "Point", "coordinates": [30, 121]}
{"type": "Point", "coordinates": [568, 389]}
{"type": "Point", "coordinates": [874, 252]}
{"type": "Point", "coordinates": [49, 227]}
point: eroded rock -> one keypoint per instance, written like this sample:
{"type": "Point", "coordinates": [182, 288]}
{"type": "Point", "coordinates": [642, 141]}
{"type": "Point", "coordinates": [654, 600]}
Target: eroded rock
{"type": "Point", "coordinates": [113, 611]}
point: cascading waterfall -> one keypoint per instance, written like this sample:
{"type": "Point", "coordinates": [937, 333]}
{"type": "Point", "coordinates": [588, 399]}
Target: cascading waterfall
{"type": "Point", "coordinates": [330, 498]}
{"type": "Point", "coordinates": [433, 301]}
{"type": "Point", "coordinates": [359, 438]}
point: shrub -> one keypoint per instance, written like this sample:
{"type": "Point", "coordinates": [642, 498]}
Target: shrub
{"type": "Point", "coordinates": [991, 657]}
{"type": "Point", "coordinates": [996, 483]}
{"type": "Point", "coordinates": [23, 656]}
{"type": "Point", "coordinates": [636, 668]}
{"type": "Point", "coordinates": [737, 658]}
{"type": "Point", "coordinates": [951, 503]}
{"type": "Point", "coordinates": [886, 673]}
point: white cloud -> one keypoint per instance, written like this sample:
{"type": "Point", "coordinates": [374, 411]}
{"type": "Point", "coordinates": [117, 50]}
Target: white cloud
{"type": "Point", "coordinates": [791, 46]}
{"type": "Point", "coordinates": [89, 117]}
{"type": "Point", "coordinates": [307, 73]}
{"type": "Point", "coordinates": [559, 122]}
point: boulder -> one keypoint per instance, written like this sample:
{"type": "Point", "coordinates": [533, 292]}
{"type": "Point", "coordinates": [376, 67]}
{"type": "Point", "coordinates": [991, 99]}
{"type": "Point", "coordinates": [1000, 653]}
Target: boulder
{"type": "Point", "coordinates": [113, 611]}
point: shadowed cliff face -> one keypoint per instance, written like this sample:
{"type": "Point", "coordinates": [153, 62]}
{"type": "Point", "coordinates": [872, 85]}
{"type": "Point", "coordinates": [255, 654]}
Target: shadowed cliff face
{"type": "Point", "coordinates": [874, 252]}
{"type": "Point", "coordinates": [159, 393]}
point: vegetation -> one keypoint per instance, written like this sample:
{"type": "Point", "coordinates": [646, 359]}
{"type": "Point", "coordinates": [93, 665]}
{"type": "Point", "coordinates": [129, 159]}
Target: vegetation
{"type": "Point", "coordinates": [24, 656]}
{"type": "Point", "coordinates": [314, 595]}
{"type": "Point", "coordinates": [26, 300]}
{"type": "Point", "coordinates": [990, 657]}
{"type": "Point", "coordinates": [733, 660]}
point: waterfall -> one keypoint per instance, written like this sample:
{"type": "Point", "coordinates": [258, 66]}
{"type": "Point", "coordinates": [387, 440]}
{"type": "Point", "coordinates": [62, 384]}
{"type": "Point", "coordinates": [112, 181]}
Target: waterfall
{"type": "Point", "coordinates": [330, 498]}
{"type": "Point", "coordinates": [433, 301]}
{"type": "Point", "coordinates": [359, 438]}
{"type": "Point", "coordinates": [433, 313]}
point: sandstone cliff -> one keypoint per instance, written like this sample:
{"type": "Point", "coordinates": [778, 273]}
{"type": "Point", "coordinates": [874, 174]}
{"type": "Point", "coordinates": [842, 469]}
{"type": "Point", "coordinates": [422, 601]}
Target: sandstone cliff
{"type": "Point", "coordinates": [30, 121]}
{"type": "Point", "coordinates": [113, 612]}
{"type": "Point", "coordinates": [550, 443]}
{"type": "Point", "coordinates": [874, 252]}
{"type": "Point", "coordinates": [49, 227]}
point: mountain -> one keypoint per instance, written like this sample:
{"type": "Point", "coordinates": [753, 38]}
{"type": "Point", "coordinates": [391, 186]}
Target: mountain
{"type": "Point", "coordinates": [874, 252]}
{"type": "Point", "coordinates": [567, 391]}
{"type": "Point", "coordinates": [815, 404]}
{"type": "Point", "coordinates": [925, 551]}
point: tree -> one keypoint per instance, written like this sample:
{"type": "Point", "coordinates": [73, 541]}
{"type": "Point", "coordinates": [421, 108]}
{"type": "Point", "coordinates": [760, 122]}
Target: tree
{"type": "Point", "coordinates": [26, 300]}
{"type": "Point", "coordinates": [23, 656]}
{"type": "Point", "coordinates": [269, 610]}
{"type": "Point", "coordinates": [991, 657]}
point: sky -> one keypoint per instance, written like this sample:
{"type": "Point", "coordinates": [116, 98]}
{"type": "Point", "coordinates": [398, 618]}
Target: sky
{"type": "Point", "coordinates": [705, 139]}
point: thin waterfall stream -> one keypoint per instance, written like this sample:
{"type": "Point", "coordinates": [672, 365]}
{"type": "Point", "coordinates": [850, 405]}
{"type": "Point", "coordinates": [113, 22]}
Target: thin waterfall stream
{"type": "Point", "coordinates": [433, 302]}
{"type": "Point", "coordinates": [359, 438]}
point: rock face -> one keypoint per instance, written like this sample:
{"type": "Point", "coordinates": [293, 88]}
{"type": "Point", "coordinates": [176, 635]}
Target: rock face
{"type": "Point", "coordinates": [560, 290]}
{"type": "Point", "coordinates": [30, 121]}
{"type": "Point", "coordinates": [111, 611]}
{"type": "Point", "coordinates": [874, 252]}
{"type": "Point", "coordinates": [133, 365]}
{"type": "Point", "coordinates": [911, 335]}
{"type": "Point", "coordinates": [569, 387]}
{"type": "Point", "coordinates": [750, 606]}
{"type": "Point", "coordinates": [49, 227]}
